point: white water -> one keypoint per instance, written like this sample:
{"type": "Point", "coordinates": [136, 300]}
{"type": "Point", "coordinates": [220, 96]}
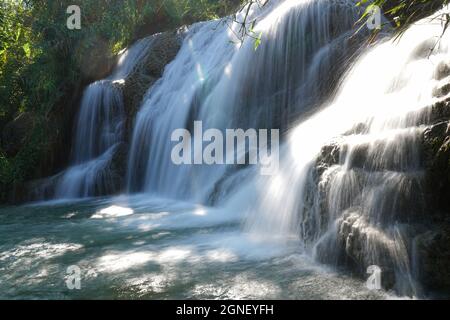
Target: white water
{"type": "Point", "coordinates": [304, 45]}
{"type": "Point", "coordinates": [388, 90]}
{"type": "Point", "coordinates": [100, 130]}
{"type": "Point", "coordinates": [304, 52]}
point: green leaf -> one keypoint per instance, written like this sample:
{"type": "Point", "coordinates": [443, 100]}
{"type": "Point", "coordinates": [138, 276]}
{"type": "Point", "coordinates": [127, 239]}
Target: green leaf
{"type": "Point", "coordinates": [19, 32]}
{"type": "Point", "coordinates": [258, 41]}
{"type": "Point", "coordinates": [4, 55]}
{"type": "Point", "coordinates": [27, 49]}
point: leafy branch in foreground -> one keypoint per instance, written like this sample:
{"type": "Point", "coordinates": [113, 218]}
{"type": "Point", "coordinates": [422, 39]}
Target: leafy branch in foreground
{"type": "Point", "coordinates": [403, 13]}
{"type": "Point", "coordinates": [400, 13]}
{"type": "Point", "coordinates": [245, 22]}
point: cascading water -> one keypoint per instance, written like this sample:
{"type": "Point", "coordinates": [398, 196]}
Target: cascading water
{"type": "Point", "coordinates": [99, 130]}
{"type": "Point", "coordinates": [350, 180]}
{"type": "Point", "coordinates": [304, 48]}
{"type": "Point", "coordinates": [351, 177]}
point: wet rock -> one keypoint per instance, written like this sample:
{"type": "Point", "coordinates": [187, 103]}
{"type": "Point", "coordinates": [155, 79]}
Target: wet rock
{"type": "Point", "coordinates": [438, 174]}
{"type": "Point", "coordinates": [163, 50]}
{"type": "Point", "coordinates": [360, 128]}
{"type": "Point", "coordinates": [439, 112]}
{"type": "Point", "coordinates": [441, 90]}
{"type": "Point", "coordinates": [433, 258]}
{"type": "Point", "coordinates": [433, 138]}
{"type": "Point", "coordinates": [358, 155]}
{"type": "Point", "coordinates": [442, 71]}
{"type": "Point", "coordinates": [436, 140]}
{"type": "Point", "coordinates": [117, 171]}
{"type": "Point", "coordinates": [366, 244]}
{"type": "Point", "coordinates": [329, 156]}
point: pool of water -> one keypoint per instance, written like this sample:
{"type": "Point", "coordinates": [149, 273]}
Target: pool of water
{"type": "Point", "coordinates": [143, 247]}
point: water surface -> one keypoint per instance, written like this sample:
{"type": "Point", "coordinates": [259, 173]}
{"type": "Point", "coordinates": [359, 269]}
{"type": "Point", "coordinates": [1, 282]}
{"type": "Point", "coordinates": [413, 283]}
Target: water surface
{"type": "Point", "coordinates": [150, 248]}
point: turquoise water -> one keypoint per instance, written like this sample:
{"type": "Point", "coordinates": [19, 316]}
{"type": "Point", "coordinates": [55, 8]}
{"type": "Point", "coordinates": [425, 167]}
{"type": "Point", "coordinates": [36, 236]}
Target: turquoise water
{"type": "Point", "coordinates": [150, 248]}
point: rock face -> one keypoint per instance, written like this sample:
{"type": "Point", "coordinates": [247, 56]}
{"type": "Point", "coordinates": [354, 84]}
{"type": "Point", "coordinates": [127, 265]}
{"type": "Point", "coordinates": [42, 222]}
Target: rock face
{"type": "Point", "coordinates": [433, 248]}
{"type": "Point", "coordinates": [437, 161]}
{"type": "Point", "coordinates": [164, 49]}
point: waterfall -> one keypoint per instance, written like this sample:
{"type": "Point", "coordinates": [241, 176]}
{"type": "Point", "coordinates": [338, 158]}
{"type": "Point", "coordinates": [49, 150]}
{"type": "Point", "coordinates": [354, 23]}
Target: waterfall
{"type": "Point", "coordinates": [99, 130]}
{"type": "Point", "coordinates": [305, 47]}
{"type": "Point", "coordinates": [350, 182]}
